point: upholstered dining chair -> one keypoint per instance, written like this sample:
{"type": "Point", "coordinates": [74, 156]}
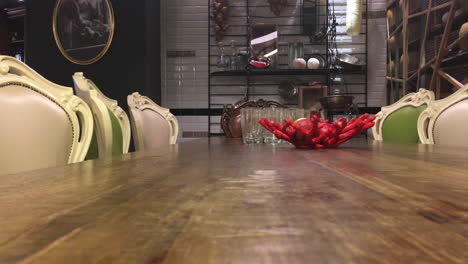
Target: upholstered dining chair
{"type": "Point", "coordinates": [398, 122]}
{"type": "Point", "coordinates": [231, 118]}
{"type": "Point", "coordinates": [153, 126]}
{"type": "Point", "coordinates": [445, 121]}
{"type": "Point", "coordinates": [111, 124]}
{"type": "Point", "coordinates": [42, 124]}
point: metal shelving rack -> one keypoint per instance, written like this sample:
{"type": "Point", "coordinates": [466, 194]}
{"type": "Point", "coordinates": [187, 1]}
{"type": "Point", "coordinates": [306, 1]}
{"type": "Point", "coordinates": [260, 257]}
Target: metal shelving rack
{"type": "Point", "coordinates": [324, 74]}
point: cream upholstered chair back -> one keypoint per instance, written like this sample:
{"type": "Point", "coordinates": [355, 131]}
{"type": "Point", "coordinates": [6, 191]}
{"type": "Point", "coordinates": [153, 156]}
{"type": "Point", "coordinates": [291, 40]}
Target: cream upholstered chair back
{"type": "Point", "coordinates": [445, 121]}
{"type": "Point", "coordinates": [41, 124]}
{"type": "Point", "coordinates": [111, 123]}
{"type": "Point", "coordinates": [153, 126]}
{"type": "Point", "coordinates": [398, 122]}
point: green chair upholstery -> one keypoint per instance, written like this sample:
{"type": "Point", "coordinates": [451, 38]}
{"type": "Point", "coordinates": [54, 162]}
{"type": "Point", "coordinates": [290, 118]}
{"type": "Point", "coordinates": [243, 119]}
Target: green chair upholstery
{"type": "Point", "coordinates": [398, 122]}
{"type": "Point", "coordinates": [402, 125]}
{"type": "Point", "coordinates": [112, 126]}
{"type": "Point", "coordinates": [117, 139]}
{"type": "Point", "coordinates": [117, 136]}
{"type": "Point", "coordinates": [93, 151]}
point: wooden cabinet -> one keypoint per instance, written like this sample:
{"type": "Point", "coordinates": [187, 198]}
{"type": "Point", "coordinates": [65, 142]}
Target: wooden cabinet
{"type": "Point", "coordinates": [309, 96]}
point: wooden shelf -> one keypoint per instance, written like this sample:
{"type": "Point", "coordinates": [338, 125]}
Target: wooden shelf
{"type": "Point", "coordinates": [458, 60]}
{"type": "Point", "coordinates": [439, 29]}
{"type": "Point", "coordinates": [421, 69]}
{"type": "Point", "coordinates": [414, 45]}
{"type": "Point", "coordinates": [395, 31]}
{"type": "Point", "coordinates": [17, 41]}
{"type": "Point", "coordinates": [441, 60]}
{"type": "Point", "coordinates": [264, 72]}
{"type": "Point", "coordinates": [432, 9]}
{"type": "Point", "coordinates": [389, 78]}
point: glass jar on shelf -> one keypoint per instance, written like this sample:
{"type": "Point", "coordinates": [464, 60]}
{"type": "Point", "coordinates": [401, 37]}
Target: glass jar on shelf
{"type": "Point", "coordinates": [223, 59]}
{"type": "Point", "coordinates": [295, 51]}
{"type": "Point", "coordinates": [242, 58]}
{"type": "Point", "coordinates": [234, 58]}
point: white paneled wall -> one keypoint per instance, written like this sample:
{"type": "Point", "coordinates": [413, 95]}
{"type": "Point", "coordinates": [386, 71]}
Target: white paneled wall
{"type": "Point", "coordinates": [184, 27]}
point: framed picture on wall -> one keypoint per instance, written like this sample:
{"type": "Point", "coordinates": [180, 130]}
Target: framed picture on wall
{"type": "Point", "coordinates": [83, 29]}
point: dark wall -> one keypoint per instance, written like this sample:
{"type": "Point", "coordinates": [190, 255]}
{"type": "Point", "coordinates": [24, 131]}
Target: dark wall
{"type": "Point", "coordinates": [131, 64]}
{"type": "Point", "coordinates": [4, 36]}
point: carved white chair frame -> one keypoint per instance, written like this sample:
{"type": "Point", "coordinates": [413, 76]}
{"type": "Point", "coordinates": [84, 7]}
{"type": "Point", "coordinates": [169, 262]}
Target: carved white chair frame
{"type": "Point", "coordinates": [100, 104]}
{"type": "Point", "coordinates": [428, 117]}
{"type": "Point", "coordinates": [137, 102]}
{"type": "Point", "coordinates": [422, 97]}
{"type": "Point", "coordinates": [13, 71]}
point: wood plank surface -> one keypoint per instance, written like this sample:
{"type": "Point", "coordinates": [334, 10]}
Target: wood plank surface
{"type": "Point", "coordinates": [219, 201]}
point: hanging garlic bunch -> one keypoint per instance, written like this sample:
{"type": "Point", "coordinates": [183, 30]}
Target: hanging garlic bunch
{"type": "Point", "coordinates": [277, 5]}
{"type": "Point", "coordinates": [220, 16]}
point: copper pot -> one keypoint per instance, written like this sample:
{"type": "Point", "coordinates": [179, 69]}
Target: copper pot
{"type": "Point", "coordinates": [337, 101]}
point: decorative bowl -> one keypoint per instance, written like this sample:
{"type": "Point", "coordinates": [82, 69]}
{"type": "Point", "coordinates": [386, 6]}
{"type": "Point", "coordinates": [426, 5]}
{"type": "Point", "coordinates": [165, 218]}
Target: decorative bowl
{"type": "Point", "coordinates": [350, 62]}
{"type": "Point", "coordinates": [316, 133]}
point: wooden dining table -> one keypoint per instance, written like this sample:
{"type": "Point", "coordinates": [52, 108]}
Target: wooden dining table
{"type": "Point", "coordinates": [216, 200]}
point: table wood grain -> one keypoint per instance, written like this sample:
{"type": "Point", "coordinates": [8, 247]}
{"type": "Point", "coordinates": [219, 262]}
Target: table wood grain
{"type": "Point", "coordinates": [218, 201]}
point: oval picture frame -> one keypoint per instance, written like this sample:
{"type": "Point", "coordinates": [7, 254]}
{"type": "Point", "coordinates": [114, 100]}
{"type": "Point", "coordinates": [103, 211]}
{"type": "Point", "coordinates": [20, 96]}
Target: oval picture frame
{"type": "Point", "coordinates": [83, 29]}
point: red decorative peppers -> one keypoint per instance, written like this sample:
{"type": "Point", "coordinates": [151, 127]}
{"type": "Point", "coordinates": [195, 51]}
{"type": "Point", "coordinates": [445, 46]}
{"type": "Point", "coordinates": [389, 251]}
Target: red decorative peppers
{"type": "Point", "coordinates": [315, 132]}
